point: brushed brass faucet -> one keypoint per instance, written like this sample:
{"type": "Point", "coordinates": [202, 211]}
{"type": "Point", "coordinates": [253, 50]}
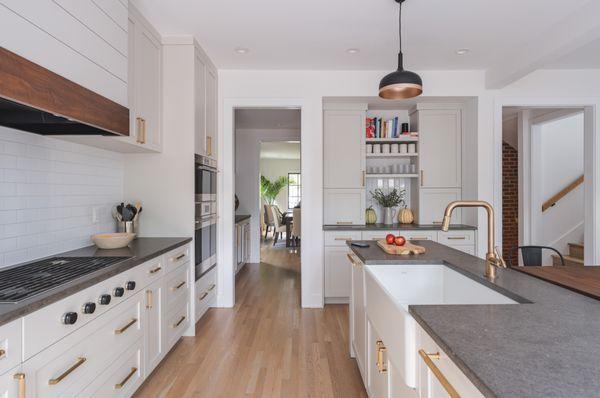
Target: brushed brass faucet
{"type": "Point", "coordinates": [493, 258]}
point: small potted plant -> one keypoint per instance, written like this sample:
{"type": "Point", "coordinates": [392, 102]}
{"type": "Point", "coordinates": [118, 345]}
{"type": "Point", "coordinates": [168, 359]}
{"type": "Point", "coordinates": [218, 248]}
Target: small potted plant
{"type": "Point", "coordinates": [388, 201]}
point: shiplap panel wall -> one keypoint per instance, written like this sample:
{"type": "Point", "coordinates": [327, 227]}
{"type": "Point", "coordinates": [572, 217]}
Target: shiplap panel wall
{"type": "Point", "coordinates": [85, 41]}
{"type": "Point", "coordinates": [48, 190]}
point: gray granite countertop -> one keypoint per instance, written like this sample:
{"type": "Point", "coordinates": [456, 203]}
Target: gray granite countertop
{"type": "Point", "coordinates": [241, 217]}
{"type": "Point", "coordinates": [546, 346]}
{"type": "Point", "coordinates": [395, 227]}
{"type": "Point", "coordinates": [138, 252]}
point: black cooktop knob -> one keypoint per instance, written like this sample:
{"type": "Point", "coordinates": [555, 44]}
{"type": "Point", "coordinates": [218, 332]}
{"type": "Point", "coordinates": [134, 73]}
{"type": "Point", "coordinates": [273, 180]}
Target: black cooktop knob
{"type": "Point", "coordinates": [130, 285]}
{"type": "Point", "coordinates": [89, 308]}
{"type": "Point", "coordinates": [118, 292]}
{"type": "Point", "coordinates": [69, 318]}
{"type": "Point", "coordinates": [104, 299]}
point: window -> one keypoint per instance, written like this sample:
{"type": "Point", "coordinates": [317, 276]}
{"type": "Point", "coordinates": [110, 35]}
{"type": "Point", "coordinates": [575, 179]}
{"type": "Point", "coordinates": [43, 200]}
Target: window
{"type": "Point", "coordinates": [294, 189]}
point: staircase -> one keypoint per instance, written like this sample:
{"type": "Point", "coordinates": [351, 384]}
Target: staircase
{"type": "Point", "coordinates": [573, 259]}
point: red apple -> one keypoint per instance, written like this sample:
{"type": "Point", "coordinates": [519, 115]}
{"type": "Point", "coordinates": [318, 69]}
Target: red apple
{"type": "Point", "coordinates": [399, 240]}
{"type": "Point", "coordinates": [390, 238]}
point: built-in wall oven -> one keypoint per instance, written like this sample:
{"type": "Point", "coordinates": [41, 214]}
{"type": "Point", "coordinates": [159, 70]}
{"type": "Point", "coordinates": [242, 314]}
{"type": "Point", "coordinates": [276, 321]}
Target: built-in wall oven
{"type": "Point", "coordinates": [206, 215]}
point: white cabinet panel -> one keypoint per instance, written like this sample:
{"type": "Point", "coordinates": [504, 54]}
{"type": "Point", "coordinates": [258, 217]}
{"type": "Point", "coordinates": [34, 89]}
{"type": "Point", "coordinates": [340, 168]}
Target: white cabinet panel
{"type": "Point", "coordinates": [433, 202]}
{"type": "Point", "coordinates": [344, 149]}
{"type": "Point", "coordinates": [11, 337]}
{"type": "Point", "coordinates": [377, 379]}
{"type": "Point", "coordinates": [358, 331]}
{"type": "Point", "coordinates": [337, 273]}
{"type": "Point", "coordinates": [154, 307]}
{"type": "Point", "coordinates": [344, 207]}
{"type": "Point", "coordinates": [420, 235]}
{"type": "Point", "coordinates": [339, 238]}
{"type": "Point", "coordinates": [9, 383]}
{"type": "Point", "coordinates": [457, 237]}
{"type": "Point", "coordinates": [200, 103]}
{"type": "Point", "coordinates": [177, 320]}
{"type": "Point", "coordinates": [115, 9]}
{"type": "Point", "coordinates": [378, 235]}
{"type": "Point", "coordinates": [211, 113]}
{"type": "Point", "coordinates": [440, 137]}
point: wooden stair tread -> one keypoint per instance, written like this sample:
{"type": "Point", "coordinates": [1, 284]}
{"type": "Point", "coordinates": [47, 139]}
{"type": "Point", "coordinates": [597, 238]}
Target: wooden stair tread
{"type": "Point", "coordinates": [576, 250]}
{"type": "Point", "coordinates": [568, 259]}
{"type": "Point", "coordinates": [576, 244]}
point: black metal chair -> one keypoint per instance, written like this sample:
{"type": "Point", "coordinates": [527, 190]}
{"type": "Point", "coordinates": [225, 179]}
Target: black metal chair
{"type": "Point", "coordinates": [532, 255]}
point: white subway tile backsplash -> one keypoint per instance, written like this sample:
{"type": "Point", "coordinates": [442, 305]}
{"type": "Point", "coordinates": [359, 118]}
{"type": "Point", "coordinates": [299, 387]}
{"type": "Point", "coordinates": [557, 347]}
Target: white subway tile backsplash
{"type": "Point", "coordinates": [48, 188]}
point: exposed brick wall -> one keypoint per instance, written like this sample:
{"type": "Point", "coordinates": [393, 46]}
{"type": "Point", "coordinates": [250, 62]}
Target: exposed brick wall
{"type": "Point", "coordinates": [510, 199]}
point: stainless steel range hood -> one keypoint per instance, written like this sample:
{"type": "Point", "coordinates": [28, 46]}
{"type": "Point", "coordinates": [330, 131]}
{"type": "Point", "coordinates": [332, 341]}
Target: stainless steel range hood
{"type": "Point", "coordinates": [37, 100]}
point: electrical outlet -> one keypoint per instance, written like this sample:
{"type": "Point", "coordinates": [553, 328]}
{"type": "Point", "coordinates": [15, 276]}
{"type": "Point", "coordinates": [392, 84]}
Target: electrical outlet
{"type": "Point", "coordinates": [95, 215]}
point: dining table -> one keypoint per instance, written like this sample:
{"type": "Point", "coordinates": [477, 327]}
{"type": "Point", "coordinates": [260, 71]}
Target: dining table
{"type": "Point", "coordinates": [287, 219]}
{"type": "Point", "coordinates": [583, 280]}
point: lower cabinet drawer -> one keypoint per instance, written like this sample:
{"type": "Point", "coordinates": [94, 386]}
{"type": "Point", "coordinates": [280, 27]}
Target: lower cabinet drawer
{"type": "Point", "coordinates": [431, 361]}
{"type": "Point", "coordinates": [176, 323]}
{"type": "Point", "coordinates": [121, 378]}
{"type": "Point", "coordinates": [206, 291]}
{"type": "Point", "coordinates": [176, 286]}
{"type": "Point", "coordinates": [420, 235]}
{"type": "Point", "coordinates": [339, 238]}
{"type": "Point", "coordinates": [456, 238]}
{"type": "Point", "coordinates": [378, 235]}
{"type": "Point", "coordinates": [11, 336]}
{"type": "Point", "coordinates": [465, 249]}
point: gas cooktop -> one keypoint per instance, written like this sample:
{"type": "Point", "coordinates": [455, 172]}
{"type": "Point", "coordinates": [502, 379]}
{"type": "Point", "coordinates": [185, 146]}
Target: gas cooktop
{"type": "Point", "coordinates": [22, 282]}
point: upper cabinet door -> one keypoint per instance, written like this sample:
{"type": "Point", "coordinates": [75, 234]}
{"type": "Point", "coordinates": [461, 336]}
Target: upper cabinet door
{"type": "Point", "coordinates": [211, 113]}
{"type": "Point", "coordinates": [344, 149]}
{"type": "Point", "coordinates": [148, 74]}
{"type": "Point", "coordinates": [200, 104]}
{"type": "Point", "coordinates": [440, 136]}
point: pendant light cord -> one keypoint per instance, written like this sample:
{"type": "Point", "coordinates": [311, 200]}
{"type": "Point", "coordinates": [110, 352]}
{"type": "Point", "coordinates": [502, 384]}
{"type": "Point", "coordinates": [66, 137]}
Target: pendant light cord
{"type": "Point", "coordinates": [400, 26]}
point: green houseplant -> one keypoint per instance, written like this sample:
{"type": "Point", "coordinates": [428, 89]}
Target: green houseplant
{"type": "Point", "coordinates": [270, 189]}
{"type": "Point", "coordinates": [388, 201]}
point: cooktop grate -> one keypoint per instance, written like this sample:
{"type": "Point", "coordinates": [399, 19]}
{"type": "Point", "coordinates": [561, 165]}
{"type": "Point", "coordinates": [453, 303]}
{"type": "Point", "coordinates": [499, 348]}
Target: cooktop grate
{"type": "Point", "coordinates": [21, 282]}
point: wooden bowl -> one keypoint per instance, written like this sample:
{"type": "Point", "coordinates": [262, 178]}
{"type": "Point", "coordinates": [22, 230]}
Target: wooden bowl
{"type": "Point", "coordinates": [112, 241]}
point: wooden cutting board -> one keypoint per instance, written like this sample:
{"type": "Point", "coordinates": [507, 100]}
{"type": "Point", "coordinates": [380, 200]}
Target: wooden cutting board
{"type": "Point", "coordinates": [408, 248]}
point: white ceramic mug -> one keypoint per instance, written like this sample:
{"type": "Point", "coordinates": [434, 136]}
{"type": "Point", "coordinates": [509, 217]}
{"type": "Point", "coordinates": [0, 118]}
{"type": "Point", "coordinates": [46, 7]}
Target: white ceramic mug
{"type": "Point", "coordinates": [376, 148]}
{"type": "Point", "coordinates": [385, 148]}
{"type": "Point", "coordinates": [403, 148]}
{"type": "Point", "coordinates": [412, 148]}
{"type": "Point", "coordinates": [394, 148]}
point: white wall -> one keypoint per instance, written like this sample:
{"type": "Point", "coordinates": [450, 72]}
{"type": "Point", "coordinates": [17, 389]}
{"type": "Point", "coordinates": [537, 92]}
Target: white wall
{"type": "Point", "coordinates": [247, 174]}
{"type": "Point", "coordinates": [561, 163]}
{"type": "Point", "coordinates": [275, 168]}
{"type": "Point", "coordinates": [48, 191]}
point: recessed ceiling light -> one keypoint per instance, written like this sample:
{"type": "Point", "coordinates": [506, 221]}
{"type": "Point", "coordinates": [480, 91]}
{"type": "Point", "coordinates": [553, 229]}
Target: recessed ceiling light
{"type": "Point", "coordinates": [242, 50]}
{"type": "Point", "coordinates": [352, 50]}
{"type": "Point", "coordinates": [462, 51]}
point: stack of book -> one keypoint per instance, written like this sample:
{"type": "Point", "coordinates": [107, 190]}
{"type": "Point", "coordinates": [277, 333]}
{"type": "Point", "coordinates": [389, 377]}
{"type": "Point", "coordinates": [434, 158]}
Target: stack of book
{"type": "Point", "coordinates": [377, 127]}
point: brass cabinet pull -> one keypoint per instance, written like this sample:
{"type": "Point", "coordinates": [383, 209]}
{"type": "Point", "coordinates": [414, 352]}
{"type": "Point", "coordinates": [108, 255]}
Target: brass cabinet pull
{"type": "Point", "coordinates": [155, 270]}
{"type": "Point", "coordinates": [2, 353]}
{"type": "Point", "coordinates": [179, 321]}
{"type": "Point", "coordinates": [381, 368]}
{"type": "Point", "coordinates": [419, 238]}
{"type": "Point", "coordinates": [143, 139]}
{"type": "Point", "coordinates": [344, 239]}
{"type": "Point", "coordinates": [427, 358]}
{"type": "Point", "coordinates": [174, 288]}
{"type": "Point", "coordinates": [182, 255]}
{"type": "Point", "coordinates": [67, 372]}
{"type": "Point", "coordinates": [126, 379]}
{"type": "Point", "coordinates": [149, 299]}
{"type": "Point", "coordinates": [364, 178]}
{"type": "Point", "coordinates": [211, 287]}
{"type": "Point", "coordinates": [203, 296]}
{"type": "Point", "coordinates": [344, 222]}
{"type": "Point", "coordinates": [456, 237]}
{"type": "Point", "coordinates": [351, 260]}
{"type": "Point", "coordinates": [21, 378]}
{"type": "Point", "coordinates": [422, 178]}
{"type": "Point", "coordinates": [436, 222]}
{"type": "Point", "coordinates": [208, 146]}
{"type": "Point", "coordinates": [124, 328]}
{"type": "Point", "coordinates": [138, 122]}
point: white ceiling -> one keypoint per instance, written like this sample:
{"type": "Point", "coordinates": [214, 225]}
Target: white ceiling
{"type": "Point", "coordinates": [586, 57]}
{"type": "Point", "coordinates": [315, 34]}
{"type": "Point", "coordinates": [280, 150]}
{"type": "Point", "coordinates": [267, 119]}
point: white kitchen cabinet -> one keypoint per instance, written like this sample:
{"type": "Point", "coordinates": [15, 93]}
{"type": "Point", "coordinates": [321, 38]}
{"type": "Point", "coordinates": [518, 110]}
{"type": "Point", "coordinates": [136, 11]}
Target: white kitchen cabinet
{"type": "Point", "coordinates": [206, 291]}
{"type": "Point", "coordinates": [344, 149]}
{"type": "Point", "coordinates": [155, 317]}
{"type": "Point", "coordinates": [433, 202]}
{"type": "Point", "coordinates": [11, 349]}
{"type": "Point", "coordinates": [420, 235]}
{"type": "Point", "coordinates": [242, 243]}
{"type": "Point", "coordinates": [440, 142]}
{"type": "Point", "coordinates": [246, 242]}
{"type": "Point", "coordinates": [377, 368]}
{"type": "Point", "coordinates": [337, 275]}
{"type": "Point", "coordinates": [211, 112]}
{"type": "Point", "coordinates": [199, 103]}
{"type": "Point", "coordinates": [344, 206]}
{"type": "Point", "coordinates": [10, 381]}
{"type": "Point", "coordinates": [378, 235]}
{"type": "Point", "coordinates": [358, 320]}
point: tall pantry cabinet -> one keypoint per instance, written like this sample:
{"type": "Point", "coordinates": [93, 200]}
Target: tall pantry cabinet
{"type": "Point", "coordinates": [205, 105]}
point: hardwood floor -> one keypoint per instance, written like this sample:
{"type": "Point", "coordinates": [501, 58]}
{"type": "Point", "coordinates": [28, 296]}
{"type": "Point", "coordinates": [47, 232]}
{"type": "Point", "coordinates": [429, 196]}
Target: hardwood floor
{"type": "Point", "coordinates": [266, 346]}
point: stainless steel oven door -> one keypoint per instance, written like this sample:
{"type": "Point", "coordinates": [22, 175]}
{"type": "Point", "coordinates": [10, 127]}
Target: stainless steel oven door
{"type": "Point", "coordinates": [203, 243]}
{"type": "Point", "coordinates": [205, 183]}
{"type": "Point", "coordinates": [205, 210]}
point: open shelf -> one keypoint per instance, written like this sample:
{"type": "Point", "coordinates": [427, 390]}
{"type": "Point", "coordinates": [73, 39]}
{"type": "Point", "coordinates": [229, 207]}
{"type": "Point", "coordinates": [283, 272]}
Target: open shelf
{"type": "Point", "coordinates": [391, 155]}
{"type": "Point", "coordinates": [407, 138]}
{"type": "Point", "coordinates": [386, 175]}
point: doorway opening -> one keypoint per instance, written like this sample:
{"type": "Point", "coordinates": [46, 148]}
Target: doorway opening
{"type": "Point", "coordinates": [268, 187]}
{"type": "Point", "coordinates": [543, 186]}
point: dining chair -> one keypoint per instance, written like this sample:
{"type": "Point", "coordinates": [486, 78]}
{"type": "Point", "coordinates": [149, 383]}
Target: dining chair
{"type": "Point", "coordinates": [532, 255]}
{"type": "Point", "coordinates": [268, 220]}
{"type": "Point", "coordinates": [296, 227]}
{"type": "Point", "coordinates": [278, 226]}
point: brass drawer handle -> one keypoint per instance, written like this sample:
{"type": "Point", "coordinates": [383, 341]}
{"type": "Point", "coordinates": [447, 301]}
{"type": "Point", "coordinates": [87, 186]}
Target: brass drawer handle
{"type": "Point", "coordinates": [203, 296]}
{"type": "Point", "coordinates": [179, 321]}
{"type": "Point", "coordinates": [436, 222]}
{"type": "Point", "coordinates": [211, 287]}
{"type": "Point", "coordinates": [381, 368]}
{"type": "Point", "coordinates": [138, 122]}
{"type": "Point", "coordinates": [344, 222]}
{"type": "Point", "coordinates": [182, 255]}
{"type": "Point", "coordinates": [351, 258]}
{"type": "Point", "coordinates": [143, 139]}
{"type": "Point", "coordinates": [124, 328]}
{"type": "Point", "coordinates": [67, 372]}
{"type": "Point", "coordinates": [126, 379]}
{"type": "Point", "coordinates": [21, 378]}
{"type": "Point", "coordinates": [155, 270]}
{"type": "Point", "coordinates": [342, 238]}
{"type": "Point", "coordinates": [456, 237]}
{"type": "Point", "coordinates": [174, 288]}
{"type": "Point", "coordinates": [149, 299]}
{"type": "Point", "coordinates": [437, 373]}
{"type": "Point", "coordinates": [418, 238]}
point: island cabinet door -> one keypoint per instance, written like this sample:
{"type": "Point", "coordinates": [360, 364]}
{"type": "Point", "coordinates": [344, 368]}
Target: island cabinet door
{"type": "Point", "coordinates": [378, 369]}
{"type": "Point", "coordinates": [337, 274]}
{"type": "Point", "coordinates": [154, 327]}
{"type": "Point", "coordinates": [438, 376]}
{"type": "Point", "coordinates": [11, 382]}
{"type": "Point", "coordinates": [358, 326]}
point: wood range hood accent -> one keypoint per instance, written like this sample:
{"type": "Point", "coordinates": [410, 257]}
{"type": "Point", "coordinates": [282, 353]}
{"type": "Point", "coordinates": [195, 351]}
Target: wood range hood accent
{"type": "Point", "coordinates": [37, 100]}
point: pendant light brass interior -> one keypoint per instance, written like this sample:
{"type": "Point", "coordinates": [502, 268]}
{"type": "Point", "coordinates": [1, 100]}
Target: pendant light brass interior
{"type": "Point", "coordinates": [400, 84]}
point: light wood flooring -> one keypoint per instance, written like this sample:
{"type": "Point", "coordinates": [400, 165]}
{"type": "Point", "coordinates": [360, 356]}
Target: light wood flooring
{"type": "Point", "coordinates": [266, 346]}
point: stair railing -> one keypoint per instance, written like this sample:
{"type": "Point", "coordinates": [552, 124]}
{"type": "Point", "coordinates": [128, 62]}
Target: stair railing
{"type": "Point", "coordinates": [561, 194]}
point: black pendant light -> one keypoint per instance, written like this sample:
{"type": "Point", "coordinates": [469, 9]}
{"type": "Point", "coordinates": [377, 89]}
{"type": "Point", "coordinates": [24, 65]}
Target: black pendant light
{"type": "Point", "coordinates": [400, 84]}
